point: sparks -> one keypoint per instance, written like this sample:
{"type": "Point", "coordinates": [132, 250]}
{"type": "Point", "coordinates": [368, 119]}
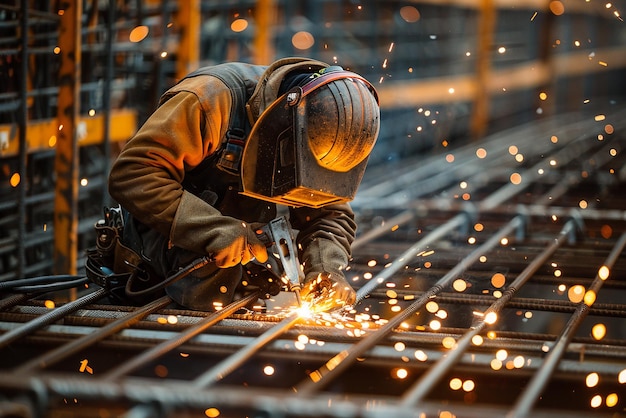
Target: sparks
{"type": "Point", "coordinates": [305, 311]}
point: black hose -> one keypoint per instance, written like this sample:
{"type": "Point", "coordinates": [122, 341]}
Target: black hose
{"type": "Point", "coordinates": [43, 282]}
{"type": "Point", "coordinates": [49, 287]}
{"type": "Point", "coordinates": [194, 265]}
{"type": "Point", "coordinates": [66, 281]}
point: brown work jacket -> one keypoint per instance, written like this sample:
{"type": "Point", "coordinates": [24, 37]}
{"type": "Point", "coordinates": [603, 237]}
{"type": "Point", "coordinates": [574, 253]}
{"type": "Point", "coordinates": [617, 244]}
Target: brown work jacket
{"type": "Point", "coordinates": [149, 177]}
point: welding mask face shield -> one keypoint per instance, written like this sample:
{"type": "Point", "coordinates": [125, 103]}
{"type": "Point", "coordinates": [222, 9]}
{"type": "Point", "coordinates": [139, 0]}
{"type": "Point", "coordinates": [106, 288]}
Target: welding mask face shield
{"type": "Point", "coordinates": [310, 146]}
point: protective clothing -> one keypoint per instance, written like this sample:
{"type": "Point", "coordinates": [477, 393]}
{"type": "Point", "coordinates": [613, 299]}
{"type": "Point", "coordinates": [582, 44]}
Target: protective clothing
{"type": "Point", "coordinates": [229, 241]}
{"type": "Point", "coordinates": [183, 205]}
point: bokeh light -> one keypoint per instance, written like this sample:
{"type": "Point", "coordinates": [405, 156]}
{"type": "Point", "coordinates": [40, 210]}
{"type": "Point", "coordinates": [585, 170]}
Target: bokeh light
{"type": "Point", "coordinates": [302, 40]}
{"type": "Point", "coordinates": [138, 34]}
{"type": "Point", "coordinates": [239, 25]}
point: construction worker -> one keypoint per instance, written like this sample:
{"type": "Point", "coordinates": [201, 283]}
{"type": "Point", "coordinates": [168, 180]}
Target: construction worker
{"type": "Point", "coordinates": [224, 147]}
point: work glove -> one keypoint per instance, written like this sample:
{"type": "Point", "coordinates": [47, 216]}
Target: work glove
{"type": "Point", "coordinates": [324, 239]}
{"type": "Point", "coordinates": [235, 242]}
{"type": "Point", "coordinates": [201, 228]}
{"type": "Point", "coordinates": [327, 292]}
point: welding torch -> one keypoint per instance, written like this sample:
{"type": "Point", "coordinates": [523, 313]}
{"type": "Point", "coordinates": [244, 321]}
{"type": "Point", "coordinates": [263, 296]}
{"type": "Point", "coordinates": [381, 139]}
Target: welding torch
{"type": "Point", "coordinates": [282, 260]}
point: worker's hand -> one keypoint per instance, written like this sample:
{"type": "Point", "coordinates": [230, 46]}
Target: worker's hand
{"type": "Point", "coordinates": [327, 292]}
{"type": "Point", "coordinates": [237, 243]}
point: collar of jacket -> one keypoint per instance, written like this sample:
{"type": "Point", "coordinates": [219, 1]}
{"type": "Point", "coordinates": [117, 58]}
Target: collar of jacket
{"type": "Point", "coordinates": [266, 90]}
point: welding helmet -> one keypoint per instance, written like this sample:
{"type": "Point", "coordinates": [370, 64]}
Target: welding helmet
{"type": "Point", "coordinates": [310, 146]}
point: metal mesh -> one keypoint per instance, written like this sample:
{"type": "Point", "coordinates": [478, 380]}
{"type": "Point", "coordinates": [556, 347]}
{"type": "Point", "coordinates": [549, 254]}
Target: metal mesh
{"type": "Point", "coordinates": [488, 285]}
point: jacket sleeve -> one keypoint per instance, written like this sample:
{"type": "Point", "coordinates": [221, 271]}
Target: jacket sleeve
{"type": "Point", "coordinates": [324, 238]}
{"type": "Point", "coordinates": [146, 178]}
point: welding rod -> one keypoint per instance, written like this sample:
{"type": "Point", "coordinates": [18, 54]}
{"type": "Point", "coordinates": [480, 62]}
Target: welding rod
{"type": "Point", "coordinates": [527, 399]}
{"type": "Point", "coordinates": [183, 337]}
{"type": "Point", "coordinates": [50, 317]}
{"type": "Point", "coordinates": [76, 345]}
{"type": "Point", "coordinates": [427, 381]}
{"type": "Point", "coordinates": [342, 360]}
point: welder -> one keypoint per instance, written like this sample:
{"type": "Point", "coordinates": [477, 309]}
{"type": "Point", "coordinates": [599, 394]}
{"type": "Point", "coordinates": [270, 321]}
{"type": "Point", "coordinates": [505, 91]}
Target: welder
{"type": "Point", "coordinates": [224, 147]}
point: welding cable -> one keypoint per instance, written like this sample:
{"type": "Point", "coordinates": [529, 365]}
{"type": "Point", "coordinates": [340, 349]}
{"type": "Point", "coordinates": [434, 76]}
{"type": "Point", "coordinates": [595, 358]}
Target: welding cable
{"type": "Point", "coordinates": [183, 272]}
{"type": "Point", "coordinates": [43, 283]}
{"type": "Point", "coordinates": [50, 287]}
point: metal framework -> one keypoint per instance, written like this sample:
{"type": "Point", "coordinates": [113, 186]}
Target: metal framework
{"type": "Point", "coordinates": [491, 275]}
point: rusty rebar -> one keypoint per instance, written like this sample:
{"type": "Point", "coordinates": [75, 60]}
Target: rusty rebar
{"type": "Point", "coordinates": [50, 317]}
{"type": "Point", "coordinates": [528, 398]}
{"type": "Point", "coordinates": [339, 362]}
{"type": "Point", "coordinates": [427, 381]}
{"type": "Point", "coordinates": [66, 350]}
{"type": "Point", "coordinates": [179, 340]}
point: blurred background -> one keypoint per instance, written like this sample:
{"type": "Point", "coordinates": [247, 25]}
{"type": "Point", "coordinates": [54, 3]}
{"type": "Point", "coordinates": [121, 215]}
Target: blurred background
{"type": "Point", "coordinates": [448, 72]}
{"type": "Point", "coordinates": [498, 183]}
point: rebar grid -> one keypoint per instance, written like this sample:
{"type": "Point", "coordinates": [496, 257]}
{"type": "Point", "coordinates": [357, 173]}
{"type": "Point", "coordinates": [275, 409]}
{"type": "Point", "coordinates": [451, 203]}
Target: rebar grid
{"type": "Point", "coordinates": [518, 347]}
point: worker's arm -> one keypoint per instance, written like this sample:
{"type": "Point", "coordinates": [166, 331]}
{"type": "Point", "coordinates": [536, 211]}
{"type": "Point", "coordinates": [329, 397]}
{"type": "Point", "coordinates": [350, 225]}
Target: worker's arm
{"type": "Point", "coordinates": [147, 178]}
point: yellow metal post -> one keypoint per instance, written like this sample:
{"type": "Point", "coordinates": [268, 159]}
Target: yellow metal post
{"type": "Point", "coordinates": [264, 19]}
{"type": "Point", "coordinates": [66, 161]}
{"type": "Point", "coordinates": [189, 26]}
{"type": "Point", "coordinates": [486, 27]}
